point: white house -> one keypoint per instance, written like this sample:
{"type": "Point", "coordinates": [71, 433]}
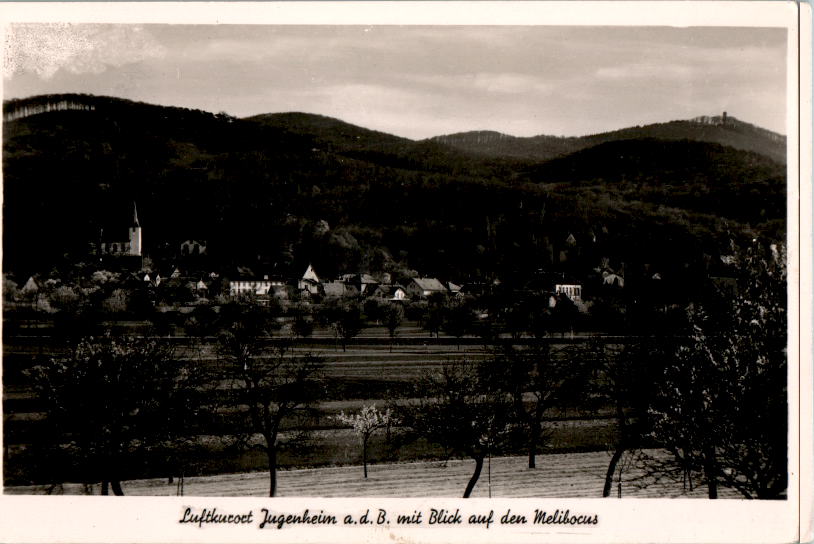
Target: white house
{"type": "Point", "coordinates": [257, 287]}
{"type": "Point", "coordinates": [309, 281]}
{"type": "Point", "coordinates": [393, 293]}
{"type": "Point", "coordinates": [572, 291]}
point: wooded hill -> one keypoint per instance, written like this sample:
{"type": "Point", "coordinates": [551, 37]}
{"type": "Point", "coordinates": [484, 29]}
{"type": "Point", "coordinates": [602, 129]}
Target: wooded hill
{"type": "Point", "coordinates": [260, 191]}
{"type": "Point", "coordinates": [730, 132]}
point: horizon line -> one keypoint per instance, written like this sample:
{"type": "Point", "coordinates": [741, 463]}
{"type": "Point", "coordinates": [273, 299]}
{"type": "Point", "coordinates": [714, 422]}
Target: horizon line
{"type": "Point", "coordinates": [586, 135]}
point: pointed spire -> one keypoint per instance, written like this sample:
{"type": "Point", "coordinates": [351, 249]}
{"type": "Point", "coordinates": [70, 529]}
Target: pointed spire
{"type": "Point", "coordinates": [135, 215]}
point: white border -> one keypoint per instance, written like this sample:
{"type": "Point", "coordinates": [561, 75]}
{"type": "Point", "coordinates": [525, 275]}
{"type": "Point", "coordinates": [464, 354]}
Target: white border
{"type": "Point", "coordinates": [153, 519]}
{"type": "Point", "coordinates": [612, 13]}
{"type": "Point", "coordinates": [806, 231]}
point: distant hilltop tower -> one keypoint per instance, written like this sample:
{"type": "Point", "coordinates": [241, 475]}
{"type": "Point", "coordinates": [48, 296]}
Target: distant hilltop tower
{"type": "Point", "coordinates": [723, 119]}
{"type": "Point", "coordinates": [135, 234]}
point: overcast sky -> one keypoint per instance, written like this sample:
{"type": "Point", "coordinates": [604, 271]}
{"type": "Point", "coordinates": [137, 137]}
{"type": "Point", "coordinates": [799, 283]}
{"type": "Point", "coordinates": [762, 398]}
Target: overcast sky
{"type": "Point", "coordinates": [418, 81]}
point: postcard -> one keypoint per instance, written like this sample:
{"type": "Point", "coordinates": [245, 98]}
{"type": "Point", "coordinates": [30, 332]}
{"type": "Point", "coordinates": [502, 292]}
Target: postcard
{"type": "Point", "coordinates": [407, 271]}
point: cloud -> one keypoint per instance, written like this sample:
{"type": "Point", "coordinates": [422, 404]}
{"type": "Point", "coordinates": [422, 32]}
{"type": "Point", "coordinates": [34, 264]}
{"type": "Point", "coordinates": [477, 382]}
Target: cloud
{"type": "Point", "coordinates": [44, 49]}
{"type": "Point", "coordinates": [645, 71]}
{"type": "Point", "coordinates": [510, 83]}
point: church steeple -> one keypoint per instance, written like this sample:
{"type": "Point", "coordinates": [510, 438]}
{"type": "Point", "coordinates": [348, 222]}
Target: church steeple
{"type": "Point", "coordinates": [135, 234]}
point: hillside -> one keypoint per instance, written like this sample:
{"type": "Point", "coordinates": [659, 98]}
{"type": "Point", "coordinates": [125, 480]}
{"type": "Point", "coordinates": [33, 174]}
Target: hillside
{"type": "Point", "coordinates": [730, 132]}
{"type": "Point", "coordinates": [334, 136]}
{"type": "Point", "coordinates": [260, 192]}
{"type": "Point", "coordinates": [697, 176]}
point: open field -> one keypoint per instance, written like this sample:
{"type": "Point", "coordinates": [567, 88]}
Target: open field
{"type": "Point", "coordinates": [368, 371]}
{"type": "Point", "coordinates": [572, 475]}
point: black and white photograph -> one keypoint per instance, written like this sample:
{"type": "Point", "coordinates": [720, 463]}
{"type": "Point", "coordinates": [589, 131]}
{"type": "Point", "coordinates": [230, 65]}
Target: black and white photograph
{"type": "Point", "coordinates": [401, 261]}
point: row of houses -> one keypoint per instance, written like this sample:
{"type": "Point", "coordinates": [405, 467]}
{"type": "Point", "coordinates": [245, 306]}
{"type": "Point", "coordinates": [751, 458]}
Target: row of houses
{"type": "Point", "coordinates": [348, 285]}
{"type": "Point", "coordinates": [368, 286]}
{"type": "Point", "coordinates": [310, 286]}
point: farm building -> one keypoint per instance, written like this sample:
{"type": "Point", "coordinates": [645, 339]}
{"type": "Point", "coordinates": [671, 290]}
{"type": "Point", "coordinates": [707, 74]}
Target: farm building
{"type": "Point", "coordinates": [424, 287]}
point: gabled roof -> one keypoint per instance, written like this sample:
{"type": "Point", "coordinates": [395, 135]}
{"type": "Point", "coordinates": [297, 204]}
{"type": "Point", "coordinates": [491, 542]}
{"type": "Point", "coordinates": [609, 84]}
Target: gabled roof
{"type": "Point", "coordinates": [392, 292]}
{"type": "Point", "coordinates": [31, 286]}
{"type": "Point", "coordinates": [613, 279]}
{"type": "Point", "coordinates": [310, 274]}
{"type": "Point", "coordinates": [429, 284]}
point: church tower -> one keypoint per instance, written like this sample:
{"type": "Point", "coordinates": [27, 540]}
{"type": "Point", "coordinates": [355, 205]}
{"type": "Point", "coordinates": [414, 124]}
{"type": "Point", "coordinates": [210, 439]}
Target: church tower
{"type": "Point", "coordinates": [135, 234]}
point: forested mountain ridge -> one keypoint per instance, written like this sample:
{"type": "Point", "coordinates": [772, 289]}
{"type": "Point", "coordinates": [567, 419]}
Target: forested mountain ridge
{"type": "Point", "coordinates": [261, 192]}
{"type": "Point", "coordinates": [335, 136]}
{"type": "Point", "coordinates": [698, 176]}
{"type": "Point", "coordinates": [727, 131]}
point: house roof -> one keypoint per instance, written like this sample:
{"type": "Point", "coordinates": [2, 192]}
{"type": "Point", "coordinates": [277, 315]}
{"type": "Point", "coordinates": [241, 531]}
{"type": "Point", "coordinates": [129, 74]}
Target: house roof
{"type": "Point", "coordinates": [429, 284]}
{"type": "Point", "coordinates": [31, 286]}
{"type": "Point", "coordinates": [358, 278]}
{"type": "Point", "coordinates": [338, 289]}
{"type": "Point", "coordinates": [310, 274]}
{"type": "Point", "coordinates": [388, 290]}
{"type": "Point", "coordinates": [613, 279]}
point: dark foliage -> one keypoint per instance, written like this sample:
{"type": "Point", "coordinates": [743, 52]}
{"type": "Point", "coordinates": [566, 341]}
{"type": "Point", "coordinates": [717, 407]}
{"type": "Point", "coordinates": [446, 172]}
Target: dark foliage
{"type": "Point", "coordinates": [279, 192]}
{"type": "Point", "coordinates": [721, 406]}
{"type": "Point", "coordinates": [112, 404]}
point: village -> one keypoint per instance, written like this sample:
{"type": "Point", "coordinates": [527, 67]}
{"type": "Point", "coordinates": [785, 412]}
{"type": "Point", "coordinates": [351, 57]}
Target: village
{"type": "Point", "coordinates": [120, 281]}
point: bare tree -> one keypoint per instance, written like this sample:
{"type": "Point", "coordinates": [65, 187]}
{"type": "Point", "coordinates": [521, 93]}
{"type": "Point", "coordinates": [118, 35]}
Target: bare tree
{"type": "Point", "coordinates": [393, 316]}
{"type": "Point", "coordinates": [462, 412]}
{"type": "Point", "coordinates": [535, 382]}
{"type": "Point", "coordinates": [623, 378]}
{"type": "Point", "coordinates": [434, 320]}
{"type": "Point", "coordinates": [267, 384]}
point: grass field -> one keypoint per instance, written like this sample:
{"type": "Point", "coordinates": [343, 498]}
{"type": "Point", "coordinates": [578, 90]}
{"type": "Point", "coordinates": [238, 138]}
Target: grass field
{"type": "Point", "coordinates": [366, 372]}
{"type": "Point", "coordinates": [572, 475]}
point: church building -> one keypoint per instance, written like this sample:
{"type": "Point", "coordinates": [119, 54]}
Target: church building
{"type": "Point", "coordinates": [132, 247]}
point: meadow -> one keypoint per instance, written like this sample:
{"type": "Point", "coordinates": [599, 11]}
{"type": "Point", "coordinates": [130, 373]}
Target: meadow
{"type": "Point", "coordinates": [369, 371]}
